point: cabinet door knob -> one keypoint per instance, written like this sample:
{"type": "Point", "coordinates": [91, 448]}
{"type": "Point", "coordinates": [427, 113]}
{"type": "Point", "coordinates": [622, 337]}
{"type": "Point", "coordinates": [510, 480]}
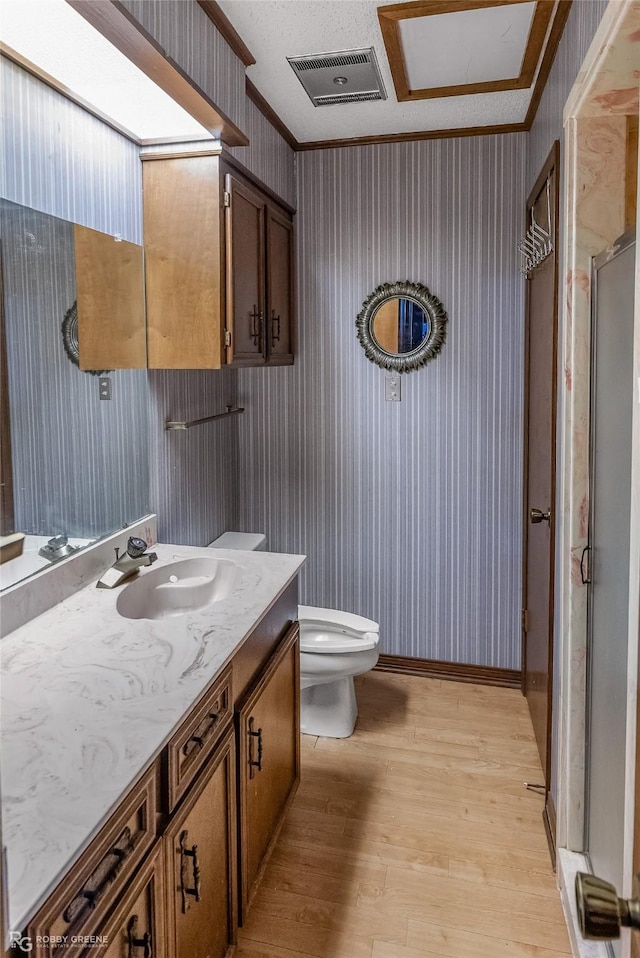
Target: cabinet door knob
{"type": "Point", "coordinates": [185, 889]}
{"type": "Point", "coordinates": [254, 763]}
{"type": "Point", "coordinates": [255, 327]}
{"type": "Point", "coordinates": [275, 327]}
{"type": "Point", "coordinates": [144, 942]}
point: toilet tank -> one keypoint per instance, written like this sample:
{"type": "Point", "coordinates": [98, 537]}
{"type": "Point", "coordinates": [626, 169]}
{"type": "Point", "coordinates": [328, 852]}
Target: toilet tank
{"type": "Point", "coordinates": [243, 541]}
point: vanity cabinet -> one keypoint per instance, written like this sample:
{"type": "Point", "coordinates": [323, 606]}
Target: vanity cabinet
{"type": "Point", "coordinates": [172, 872]}
{"type": "Point", "coordinates": [218, 265]}
{"type": "Point", "coordinates": [268, 723]}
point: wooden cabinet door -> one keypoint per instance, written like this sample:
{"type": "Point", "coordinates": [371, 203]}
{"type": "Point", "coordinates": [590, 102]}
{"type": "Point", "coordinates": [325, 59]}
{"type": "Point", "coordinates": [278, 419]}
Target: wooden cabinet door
{"type": "Point", "coordinates": [182, 251]}
{"type": "Point", "coordinates": [200, 855]}
{"type": "Point", "coordinates": [245, 273]}
{"type": "Point", "coordinates": [136, 929]}
{"type": "Point", "coordinates": [269, 759]}
{"type": "Point", "coordinates": [280, 318]}
{"type": "Point", "coordinates": [109, 301]}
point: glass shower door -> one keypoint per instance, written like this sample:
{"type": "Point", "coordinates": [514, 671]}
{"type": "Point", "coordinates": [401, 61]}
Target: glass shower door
{"type": "Point", "coordinates": [610, 502]}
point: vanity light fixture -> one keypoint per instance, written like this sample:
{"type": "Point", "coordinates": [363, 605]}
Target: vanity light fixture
{"type": "Point", "coordinates": [52, 40]}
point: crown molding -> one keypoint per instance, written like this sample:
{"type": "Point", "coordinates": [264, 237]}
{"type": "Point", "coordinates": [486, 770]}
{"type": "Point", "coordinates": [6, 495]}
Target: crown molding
{"type": "Point", "coordinates": [228, 31]}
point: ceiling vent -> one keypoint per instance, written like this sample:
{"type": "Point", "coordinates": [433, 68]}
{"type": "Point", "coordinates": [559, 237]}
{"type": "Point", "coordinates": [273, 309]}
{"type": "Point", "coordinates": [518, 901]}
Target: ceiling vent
{"type": "Point", "coordinates": [349, 76]}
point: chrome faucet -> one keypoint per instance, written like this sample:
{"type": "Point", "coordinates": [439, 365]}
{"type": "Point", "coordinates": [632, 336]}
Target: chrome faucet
{"type": "Point", "coordinates": [127, 564]}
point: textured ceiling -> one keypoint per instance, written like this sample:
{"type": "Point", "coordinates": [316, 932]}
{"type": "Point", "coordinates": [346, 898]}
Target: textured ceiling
{"type": "Point", "coordinates": [276, 29]}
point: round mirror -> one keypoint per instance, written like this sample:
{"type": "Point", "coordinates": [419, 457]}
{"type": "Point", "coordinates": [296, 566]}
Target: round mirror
{"type": "Point", "coordinates": [401, 326]}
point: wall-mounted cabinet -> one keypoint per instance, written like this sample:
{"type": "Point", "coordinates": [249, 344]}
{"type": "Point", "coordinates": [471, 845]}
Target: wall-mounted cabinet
{"type": "Point", "coordinates": [259, 277]}
{"type": "Point", "coordinates": [218, 266]}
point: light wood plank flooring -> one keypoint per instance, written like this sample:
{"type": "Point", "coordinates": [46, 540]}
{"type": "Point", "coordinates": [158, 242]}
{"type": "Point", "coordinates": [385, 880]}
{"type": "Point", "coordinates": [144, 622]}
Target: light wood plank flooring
{"type": "Point", "coordinates": [414, 838]}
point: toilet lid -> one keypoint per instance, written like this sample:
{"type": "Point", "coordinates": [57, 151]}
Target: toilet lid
{"type": "Point", "coordinates": [318, 640]}
{"type": "Point", "coordinates": [335, 619]}
{"type": "Point", "coordinates": [330, 630]}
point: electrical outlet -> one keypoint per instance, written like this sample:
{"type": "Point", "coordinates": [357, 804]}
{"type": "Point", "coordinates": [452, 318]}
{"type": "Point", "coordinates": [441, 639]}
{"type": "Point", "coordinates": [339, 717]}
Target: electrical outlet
{"type": "Point", "coordinates": [392, 392]}
{"type": "Point", "coordinates": [105, 387]}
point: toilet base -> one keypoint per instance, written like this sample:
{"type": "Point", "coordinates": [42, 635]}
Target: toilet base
{"type": "Point", "coordinates": [330, 709]}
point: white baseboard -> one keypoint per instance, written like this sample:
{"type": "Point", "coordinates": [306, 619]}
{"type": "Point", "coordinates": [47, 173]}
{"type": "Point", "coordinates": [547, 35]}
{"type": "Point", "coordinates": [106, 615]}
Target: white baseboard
{"type": "Point", "coordinates": [568, 863]}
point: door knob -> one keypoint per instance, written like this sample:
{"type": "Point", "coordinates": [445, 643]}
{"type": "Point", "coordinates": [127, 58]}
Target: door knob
{"type": "Point", "coordinates": [600, 912]}
{"type": "Point", "coordinates": [537, 515]}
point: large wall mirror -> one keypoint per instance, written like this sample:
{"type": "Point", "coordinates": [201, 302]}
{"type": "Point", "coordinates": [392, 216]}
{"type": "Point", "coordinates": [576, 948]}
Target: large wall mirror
{"type": "Point", "coordinates": [401, 326]}
{"type": "Point", "coordinates": [79, 463]}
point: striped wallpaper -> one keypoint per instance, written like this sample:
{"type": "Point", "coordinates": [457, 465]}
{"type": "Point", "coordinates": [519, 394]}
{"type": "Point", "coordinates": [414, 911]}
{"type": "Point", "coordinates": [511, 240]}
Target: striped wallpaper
{"type": "Point", "coordinates": [188, 37]}
{"type": "Point", "coordinates": [268, 155]}
{"type": "Point", "coordinates": [62, 160]}
{"type": "Point", "coordinates": [409, 513]}
{"type": "Point", "coordinates": [194, 473]}
{"type": "Point", "coordinates": [191, 39]}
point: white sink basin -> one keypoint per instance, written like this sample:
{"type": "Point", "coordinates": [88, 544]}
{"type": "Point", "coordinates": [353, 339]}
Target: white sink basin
{"type": "Point", "coordinates": [178, 588]}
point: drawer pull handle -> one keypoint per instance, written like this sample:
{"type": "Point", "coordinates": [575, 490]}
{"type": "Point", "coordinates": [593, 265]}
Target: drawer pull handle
{"type": "Point", "coordinates": [144, 942]}
{"type": "Point", "coordinates": [201, 734]}
{"type": "Point", "coordinates": [185, 854]}
{"type": "Point", "coordinates": [101, 878]}
{"type": "Point", "coordinates": [275, 327]}
{"type": "Point", "coordinates": [253, 764]}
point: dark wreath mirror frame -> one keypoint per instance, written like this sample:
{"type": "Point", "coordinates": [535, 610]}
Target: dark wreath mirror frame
{"type": "Point", "coordinates": [432, 321]}
{"type": "Point", "coordinates": [71, 343]}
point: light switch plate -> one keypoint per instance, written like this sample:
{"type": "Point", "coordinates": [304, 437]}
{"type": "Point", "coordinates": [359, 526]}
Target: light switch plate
{"type": "Point", "coordinates": [392, 391]}
{"type": "Point", "coordinates": [105, 387]}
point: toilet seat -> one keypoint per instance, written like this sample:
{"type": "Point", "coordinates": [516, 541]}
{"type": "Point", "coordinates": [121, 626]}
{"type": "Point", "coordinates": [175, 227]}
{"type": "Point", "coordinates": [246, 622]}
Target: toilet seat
{"type": "Point", "coordinates": [321, 640]}
{"type": "Point", "coordinates": [330, 630]}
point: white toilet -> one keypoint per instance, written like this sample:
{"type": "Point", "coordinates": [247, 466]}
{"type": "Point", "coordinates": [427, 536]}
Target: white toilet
{"type": "Point", "coordinates": [334, 646]}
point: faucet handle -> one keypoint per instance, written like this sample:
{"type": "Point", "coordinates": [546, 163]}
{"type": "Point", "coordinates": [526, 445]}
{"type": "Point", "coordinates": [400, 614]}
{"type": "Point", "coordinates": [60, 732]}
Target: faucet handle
{"type": "Point", "coordinates": [136, 547]}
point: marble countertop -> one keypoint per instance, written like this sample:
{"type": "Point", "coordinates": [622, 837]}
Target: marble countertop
{"type": "Point", "coordinates": [90, 698]}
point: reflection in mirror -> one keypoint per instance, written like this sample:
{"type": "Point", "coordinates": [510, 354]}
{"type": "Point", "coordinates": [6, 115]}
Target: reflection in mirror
{"type": "Point", "coordinates": [400, 325]}
{"type": "Point", "coordinates": [79, 463]}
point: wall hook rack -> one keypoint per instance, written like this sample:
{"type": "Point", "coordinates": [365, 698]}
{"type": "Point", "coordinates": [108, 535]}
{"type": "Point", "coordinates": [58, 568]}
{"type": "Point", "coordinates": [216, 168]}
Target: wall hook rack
{"type": "Point", "coordinates": [537, 243]}
{"type": "Point", "coordinates": [230, 411]}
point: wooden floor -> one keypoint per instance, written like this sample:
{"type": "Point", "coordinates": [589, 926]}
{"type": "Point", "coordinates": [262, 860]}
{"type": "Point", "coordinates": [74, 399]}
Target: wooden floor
{"type": "Point", "coordinates": [415, 837]}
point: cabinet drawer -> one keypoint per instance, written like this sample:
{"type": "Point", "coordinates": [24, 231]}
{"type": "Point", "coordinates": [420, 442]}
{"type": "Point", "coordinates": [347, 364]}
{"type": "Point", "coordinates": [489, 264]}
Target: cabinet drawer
{"type": "Point", "coordinates": [191, 746]}
{"type": "Point", "coordinates": [84, 898]}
